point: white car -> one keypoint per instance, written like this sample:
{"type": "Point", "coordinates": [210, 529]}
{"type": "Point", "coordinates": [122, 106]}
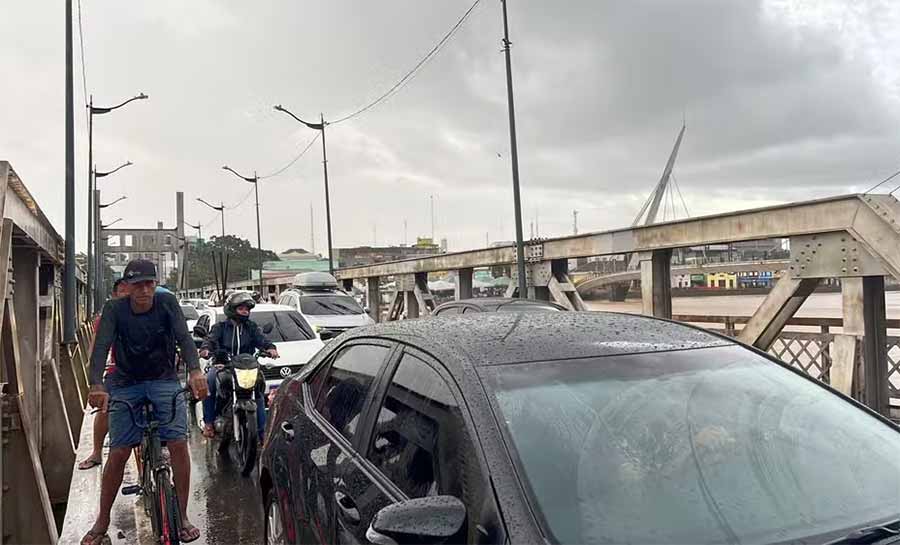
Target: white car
{"type": "Point", "coordinates": [190, 315]}
{"type": "Point", "coordinates": [296, 341]}
{"type": "Point", "coordinates": [316, 296]}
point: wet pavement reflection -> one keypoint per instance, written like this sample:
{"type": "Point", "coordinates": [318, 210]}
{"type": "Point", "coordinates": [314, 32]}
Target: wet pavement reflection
{"type": "Point", "coordinates": [226, 507]}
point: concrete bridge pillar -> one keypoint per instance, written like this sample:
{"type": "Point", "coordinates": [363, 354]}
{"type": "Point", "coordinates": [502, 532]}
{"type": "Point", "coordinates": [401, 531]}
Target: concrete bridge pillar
{"type": "Point", "coordinates": [464, 284]}
{"type": "Point", "coordinates": [656, 283]}
{"type": "Point", "coordinates": [373, 296]}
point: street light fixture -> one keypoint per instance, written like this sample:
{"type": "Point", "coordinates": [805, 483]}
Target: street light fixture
{"type": "Point", "coordinates": [107, 205]}
{"type": "Point", "coordinates": [319, 127]}
{"type": "Point", "coordinates": [94, 261]}
{"type": "Point", "coordinates": [98, 257]}
{"type": "Point", "coordinates": [108, 225]}
{"type": "Point", "coordinates": [220, 208]}
{"type": "Point", "coordinates": [199, 229]}
{"type": "Point", "coordinates": [255, 181]}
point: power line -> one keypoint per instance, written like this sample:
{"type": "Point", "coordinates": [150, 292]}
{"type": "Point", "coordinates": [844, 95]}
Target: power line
{"type": "Point", "coordinates": [83, 69]}
{"type": "Point", "coordinates": [882, 182]}
{"type": "Point", "coordinates": [294, 160]}
{"type": "Point", "coordinates": [412, 73]}
{"type": "Point", "coordinates": [242, 201]}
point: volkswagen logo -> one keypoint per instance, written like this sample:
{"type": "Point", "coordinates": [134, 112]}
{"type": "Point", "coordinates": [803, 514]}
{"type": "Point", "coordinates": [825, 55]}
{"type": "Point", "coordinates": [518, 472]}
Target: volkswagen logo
{"type": "Point", "coordinates": [285, 372]}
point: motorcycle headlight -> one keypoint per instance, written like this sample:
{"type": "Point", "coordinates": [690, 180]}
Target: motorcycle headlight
{"type": "Point", "coordinates": [246, 378]}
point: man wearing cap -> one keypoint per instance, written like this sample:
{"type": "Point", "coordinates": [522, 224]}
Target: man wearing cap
{"type": "Point", "coordinates": [143, 329]}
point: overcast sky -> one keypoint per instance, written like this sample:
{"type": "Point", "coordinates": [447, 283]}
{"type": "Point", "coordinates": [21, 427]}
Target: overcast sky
{"type": "Point", "coordinates": [784, 100]}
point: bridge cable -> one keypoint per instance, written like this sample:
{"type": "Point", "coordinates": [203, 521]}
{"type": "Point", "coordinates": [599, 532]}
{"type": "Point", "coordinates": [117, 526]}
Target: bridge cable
{"type": "Point", "coordinates": [683, 202]}
{"type": "Point", "coordinates": [882, 182]}
{"type": "Point", "coordinates": [412, 73]}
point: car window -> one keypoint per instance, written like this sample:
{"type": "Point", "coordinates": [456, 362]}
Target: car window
{"type": "Point", "coordinates": [287, 326]}
{"type": "Point", "coordinates": [190, 312]}
{"type": "Point", "coordinates": [284, 300]}
{"type": "Point", "coordinates": [448, 311]}
{"type": "Point", "coordinates": [707, 445]}
{"type": "Point", "coordinates": [345, 384]}
{"type": "Point", "coordinates": [420, 441]}
{"type": "Point", "coordinates": [329, 304]}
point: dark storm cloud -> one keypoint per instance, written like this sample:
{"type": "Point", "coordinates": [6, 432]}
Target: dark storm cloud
{"type": "Point", "coordinates": [778, 107]}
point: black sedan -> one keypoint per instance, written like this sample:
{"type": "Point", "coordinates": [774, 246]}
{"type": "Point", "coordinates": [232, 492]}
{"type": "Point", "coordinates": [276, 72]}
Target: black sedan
{"type": "Point", "coordinates": [567, 428]}
{"type": "Point", "coordinates": [495, 304]}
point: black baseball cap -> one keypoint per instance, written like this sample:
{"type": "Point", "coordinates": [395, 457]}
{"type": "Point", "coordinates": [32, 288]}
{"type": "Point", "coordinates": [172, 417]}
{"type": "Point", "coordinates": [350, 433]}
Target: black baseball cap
{"type": "Point", "coordinates": [139, 270]}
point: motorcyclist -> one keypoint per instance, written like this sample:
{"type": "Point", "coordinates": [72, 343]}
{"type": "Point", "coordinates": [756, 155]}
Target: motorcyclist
{"type": "Point", "coordinates": [238, 334]}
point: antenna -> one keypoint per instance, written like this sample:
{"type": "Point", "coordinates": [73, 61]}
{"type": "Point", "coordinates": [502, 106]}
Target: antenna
{"type": "Point", "coordinates": [431, 198]}
{"type": "Point", "coordinates": [312, 230]}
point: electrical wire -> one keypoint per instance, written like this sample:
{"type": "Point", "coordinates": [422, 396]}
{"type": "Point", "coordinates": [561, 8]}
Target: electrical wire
{"type": "Point", "coordinates": [882, 182]}
{"type": "Point", "coordinates": [83, 68]}
{"type": "Point", "coordinates": [294, 160]}
{"type": "Point", "coordinates": [412, 73]}
{"type": "Point", "coordinates": [242, 201]}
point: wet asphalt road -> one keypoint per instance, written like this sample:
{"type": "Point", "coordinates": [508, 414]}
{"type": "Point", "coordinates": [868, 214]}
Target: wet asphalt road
{"type": "Point", "coordinates": [226, 507]}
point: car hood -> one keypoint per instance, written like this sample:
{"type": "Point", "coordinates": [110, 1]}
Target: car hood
{"type": "Point", "coordinates": [294, 353]}
{"type": "Point", "coordinates": [339, 320]}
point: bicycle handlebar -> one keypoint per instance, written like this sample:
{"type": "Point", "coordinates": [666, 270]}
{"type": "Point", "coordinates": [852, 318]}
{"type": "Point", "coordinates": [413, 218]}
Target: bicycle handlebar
{"type": "Point", "coordinates": [131, 408]}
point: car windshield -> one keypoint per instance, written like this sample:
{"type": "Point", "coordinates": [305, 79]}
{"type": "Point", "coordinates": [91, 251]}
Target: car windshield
{"type": "Point", "coordinates": [696, 446]}
{"type": "Point", "coordinates": [190, 313]}
{"type": "Point", "coordinates": [329, 304]}
{"type": "Point", "coordinates": [286, 325]}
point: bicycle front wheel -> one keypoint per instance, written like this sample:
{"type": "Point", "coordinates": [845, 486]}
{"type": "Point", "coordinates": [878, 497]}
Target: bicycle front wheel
{"type": "Point", "coordinates": [167, 501]}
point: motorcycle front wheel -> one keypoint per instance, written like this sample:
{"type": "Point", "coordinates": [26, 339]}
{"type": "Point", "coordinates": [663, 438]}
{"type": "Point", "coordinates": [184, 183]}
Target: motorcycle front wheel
{"type": "Point", "coordinates": [248, 441]}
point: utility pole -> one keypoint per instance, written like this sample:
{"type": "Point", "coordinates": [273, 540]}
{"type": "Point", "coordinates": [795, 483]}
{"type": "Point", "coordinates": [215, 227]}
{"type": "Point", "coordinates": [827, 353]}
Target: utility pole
{"type": "Point", "coordinates": [514, 155]}
{"type": "Point", "coordinates": [431, 199]}
{"type": "Point", "coordinates": [69, 303]}
{"type": "Point", "coordinates": [405, 241]}
{"type": "Point", "coordinates": [574, 222]}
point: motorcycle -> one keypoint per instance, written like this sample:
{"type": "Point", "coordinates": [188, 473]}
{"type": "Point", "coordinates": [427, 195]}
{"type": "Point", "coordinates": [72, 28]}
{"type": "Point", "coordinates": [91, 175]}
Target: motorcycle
{"type": "Point", "coordinates": [238, 380]}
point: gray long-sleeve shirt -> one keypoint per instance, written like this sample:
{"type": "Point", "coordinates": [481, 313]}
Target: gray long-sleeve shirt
{"type": "Point", "coordinates": [144, 343]}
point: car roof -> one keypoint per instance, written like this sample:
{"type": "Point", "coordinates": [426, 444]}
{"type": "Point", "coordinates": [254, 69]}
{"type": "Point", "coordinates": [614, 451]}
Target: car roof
{"type": "Point", "coordinates": [493, 303]}
{"type": "Point", "coordinates": [503, 338]}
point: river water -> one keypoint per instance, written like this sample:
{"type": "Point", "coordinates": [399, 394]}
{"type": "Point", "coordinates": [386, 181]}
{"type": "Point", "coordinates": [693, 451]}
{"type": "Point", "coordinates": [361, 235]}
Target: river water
{"type": "Point", "coordinates": [819, 305]}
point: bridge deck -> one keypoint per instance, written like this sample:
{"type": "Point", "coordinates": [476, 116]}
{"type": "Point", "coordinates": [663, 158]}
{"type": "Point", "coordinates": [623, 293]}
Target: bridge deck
{"type": "Point", "coordinates": [225, 506]}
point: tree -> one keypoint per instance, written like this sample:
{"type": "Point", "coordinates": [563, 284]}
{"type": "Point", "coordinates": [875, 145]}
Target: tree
{"type": "Point", "coordinates": [241, 256]}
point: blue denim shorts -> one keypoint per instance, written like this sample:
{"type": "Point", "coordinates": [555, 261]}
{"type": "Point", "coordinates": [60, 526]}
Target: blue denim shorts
{"type": "Point", "coordinates": [123, 432]}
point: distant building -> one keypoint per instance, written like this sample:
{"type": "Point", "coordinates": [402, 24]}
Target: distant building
{"type": "Point", "coordinates": [367, 255]}
{"type": "Point", "coordinates": [755, 279]}
{"type": "Point", "coordinates": [722, 280]}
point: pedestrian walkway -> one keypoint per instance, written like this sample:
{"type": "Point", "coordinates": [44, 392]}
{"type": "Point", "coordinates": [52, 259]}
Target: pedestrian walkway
{"type": "Point", "coordinates": [225, 506]}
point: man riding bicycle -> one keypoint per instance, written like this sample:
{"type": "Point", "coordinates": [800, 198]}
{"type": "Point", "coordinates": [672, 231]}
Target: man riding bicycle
{"type": "Point", "coordinates": [236, 335]}
{"type": "Point", "coordinates": [143, 329]}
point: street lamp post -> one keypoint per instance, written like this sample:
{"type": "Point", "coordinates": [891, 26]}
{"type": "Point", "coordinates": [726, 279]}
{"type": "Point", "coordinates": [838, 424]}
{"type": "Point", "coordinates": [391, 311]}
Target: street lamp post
{"type": "Point", "coordinates": [220, 208]}
{"type": "Point", "coordinates": [255, 181]}
{"type": "Point", "coordinates": [199, 229]}
{"type": "Point", "coordinates": [319, 127]}
{"type": "Point", "coordinates": [92, 111]}
{"type": "Point", "coordinates": [514, 156]}
{"type": "Point", "coordinates": [98, 261]}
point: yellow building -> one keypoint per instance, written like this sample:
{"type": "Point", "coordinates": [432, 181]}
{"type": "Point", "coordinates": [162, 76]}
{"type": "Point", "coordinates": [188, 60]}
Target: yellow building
{"type": "Point", "coordinates": [722, 280]}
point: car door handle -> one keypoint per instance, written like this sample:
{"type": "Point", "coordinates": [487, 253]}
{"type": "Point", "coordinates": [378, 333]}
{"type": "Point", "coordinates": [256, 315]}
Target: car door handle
{"type": "Point", "coordinates": [347, 507]}
{"type": "Point", "coordinates": [288, 431]}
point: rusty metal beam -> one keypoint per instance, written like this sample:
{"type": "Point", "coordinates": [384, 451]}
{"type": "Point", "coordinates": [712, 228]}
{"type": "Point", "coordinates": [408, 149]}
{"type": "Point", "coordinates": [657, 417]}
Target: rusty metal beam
{"type": "Point", "coordinates": [810, 217]}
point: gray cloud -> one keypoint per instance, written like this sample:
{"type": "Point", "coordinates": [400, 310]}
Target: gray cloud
{"type": "Point", "coordinates": [783, 101]}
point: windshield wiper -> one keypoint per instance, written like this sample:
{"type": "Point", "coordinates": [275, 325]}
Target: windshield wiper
{"type": "Point", "coordinates": [870, 534]}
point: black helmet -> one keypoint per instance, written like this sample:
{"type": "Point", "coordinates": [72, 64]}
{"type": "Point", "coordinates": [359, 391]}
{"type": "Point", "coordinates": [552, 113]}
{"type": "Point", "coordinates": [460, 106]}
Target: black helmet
{"type": "Point", "coordinates": [236, 300]}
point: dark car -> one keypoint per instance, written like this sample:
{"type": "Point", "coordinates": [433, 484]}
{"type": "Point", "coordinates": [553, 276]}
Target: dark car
{"type": "Point", "coordinates": [567, 428]}
{"type": "Point", "coordinates": [495, 304]}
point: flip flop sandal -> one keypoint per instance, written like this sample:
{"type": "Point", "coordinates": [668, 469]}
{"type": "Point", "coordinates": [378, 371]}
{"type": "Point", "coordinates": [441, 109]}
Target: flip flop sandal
{"type": "Point", "coordinates": [96, 538]}
{"type": "Point", "coordinates": [89, 464]}
{"type": "Point", "coordinates": [187, 535]}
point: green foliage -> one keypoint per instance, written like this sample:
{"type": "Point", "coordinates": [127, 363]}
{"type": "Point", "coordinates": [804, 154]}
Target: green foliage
{"type": "Point", "coordinates": [242, 257]}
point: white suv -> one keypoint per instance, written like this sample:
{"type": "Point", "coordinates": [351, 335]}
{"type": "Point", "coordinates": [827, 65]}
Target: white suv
{"type": "Point", "coordinates": [316, 296]}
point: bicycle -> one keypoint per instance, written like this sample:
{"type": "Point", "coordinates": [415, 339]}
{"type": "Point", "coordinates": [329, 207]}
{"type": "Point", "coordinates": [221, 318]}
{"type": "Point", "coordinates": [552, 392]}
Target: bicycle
{"type": "Point", "coordinates": [156, 486]}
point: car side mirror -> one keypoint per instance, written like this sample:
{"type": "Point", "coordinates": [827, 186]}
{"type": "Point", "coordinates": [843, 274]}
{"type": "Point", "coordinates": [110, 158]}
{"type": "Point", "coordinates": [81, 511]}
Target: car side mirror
{"type": "Point", "coordinates": [430, 520]}
{"type": "Point", "coordinates": [200, 331]}
{"type": "Point", "coordinates": [268, 328]}
{"type": "Point", "coordinates": [326, 334]}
